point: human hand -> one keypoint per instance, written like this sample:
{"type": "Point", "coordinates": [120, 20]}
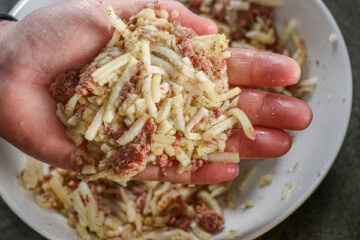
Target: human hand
{"type": "Point", "coordinates": [68, 35]}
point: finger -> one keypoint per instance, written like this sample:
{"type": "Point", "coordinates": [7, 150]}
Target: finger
{"type": "Point", "coordinates": [269, 143]}
{"type": "Point", "coordinates": [261, 69]}
{"type": "Point", "coordinates": [275, 110]}
{"type": "Point", "coordinates": [209, 173]}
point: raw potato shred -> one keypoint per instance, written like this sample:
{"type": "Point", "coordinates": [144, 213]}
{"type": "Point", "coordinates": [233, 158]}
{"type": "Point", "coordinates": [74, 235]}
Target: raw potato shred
{"type": "Point", "coordinates": [148, 97]}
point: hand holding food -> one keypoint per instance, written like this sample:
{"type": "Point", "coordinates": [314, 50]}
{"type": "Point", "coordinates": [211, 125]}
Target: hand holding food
{"type": "Point", "coordinates": [69, 35]}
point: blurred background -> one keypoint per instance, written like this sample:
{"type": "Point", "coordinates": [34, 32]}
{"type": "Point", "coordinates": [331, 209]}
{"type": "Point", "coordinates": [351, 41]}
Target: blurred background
{"type": "Point", "coordinates": [333, 211]}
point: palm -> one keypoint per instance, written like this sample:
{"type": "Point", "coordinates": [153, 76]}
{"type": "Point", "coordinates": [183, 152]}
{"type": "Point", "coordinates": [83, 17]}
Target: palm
{"type": "Point", "coordinates": [69, 35]}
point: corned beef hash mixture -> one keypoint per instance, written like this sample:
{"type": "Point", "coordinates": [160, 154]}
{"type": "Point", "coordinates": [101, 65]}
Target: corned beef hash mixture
{"type": "Point", "coordinates": [103, 209]}
{"type": "Point", "coordinates": [157, 94]}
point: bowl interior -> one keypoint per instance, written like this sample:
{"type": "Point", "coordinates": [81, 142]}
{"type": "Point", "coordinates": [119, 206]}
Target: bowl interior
{"type": "Point", "coordinates": [314, 149]}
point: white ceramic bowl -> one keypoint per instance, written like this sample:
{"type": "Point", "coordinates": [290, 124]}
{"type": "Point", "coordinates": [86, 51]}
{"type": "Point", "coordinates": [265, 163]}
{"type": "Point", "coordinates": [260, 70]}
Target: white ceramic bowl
{"type": "Point", "coordinates": [314, 149]}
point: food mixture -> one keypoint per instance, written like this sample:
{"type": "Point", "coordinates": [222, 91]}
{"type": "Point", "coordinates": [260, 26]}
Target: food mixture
{"type": "Point", "coordinates": [157, 94]}
{"type": "Point", "coordinates": [142, 210]}
{"type": "Point", "coordinates": [154, 210]}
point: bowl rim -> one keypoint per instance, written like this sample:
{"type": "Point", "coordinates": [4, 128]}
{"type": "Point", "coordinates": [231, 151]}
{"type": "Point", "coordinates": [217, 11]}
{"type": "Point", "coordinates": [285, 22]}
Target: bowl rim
{"type": "Point", "coordinates": [297, 204]}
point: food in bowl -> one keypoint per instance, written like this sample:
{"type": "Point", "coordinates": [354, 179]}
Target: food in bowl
{"type": "Point", "coordinates": [249, 25]}
{"type": "Point", "coordinates": [157, 94]}
{"type": "Point", "coordinates": [141, 210]}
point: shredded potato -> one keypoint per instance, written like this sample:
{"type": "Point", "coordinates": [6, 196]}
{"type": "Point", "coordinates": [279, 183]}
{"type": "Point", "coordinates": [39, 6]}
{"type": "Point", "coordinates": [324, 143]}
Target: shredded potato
{"type": "Point", "coordinates": [142, 210]}
{"type": "Point", "coordinates": [156, 83]}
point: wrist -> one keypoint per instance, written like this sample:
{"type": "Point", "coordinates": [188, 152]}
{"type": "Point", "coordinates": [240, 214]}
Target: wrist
{"type": "Point", "coordinates": [4, 22]}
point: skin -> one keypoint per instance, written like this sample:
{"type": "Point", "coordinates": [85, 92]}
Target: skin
{"type": "Point", "coordinates": [68, 35]}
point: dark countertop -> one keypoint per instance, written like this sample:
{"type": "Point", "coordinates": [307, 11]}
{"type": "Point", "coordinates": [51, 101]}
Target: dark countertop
{"type": "Point", "coordinates": [333, 211]}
